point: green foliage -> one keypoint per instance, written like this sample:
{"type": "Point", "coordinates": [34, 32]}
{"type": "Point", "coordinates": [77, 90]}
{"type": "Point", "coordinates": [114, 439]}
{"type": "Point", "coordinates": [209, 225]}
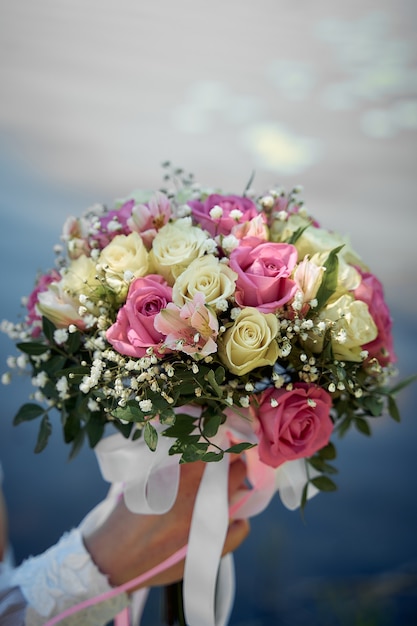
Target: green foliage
{"type": "Point", "coordinates": [44, 434]}
{"type": "Point", "coordinates": [329, 283]}
{"type": "Point", "coordinates": [28, 412]}
{"type": "Point", "coordinates": [150, 436]}
{"type": "Point", "coordinates": [393, 409]}
{"type": "Point", "coordinates": [33, 348]}
{"type": "Point", "coordinates": [240, 447]}
{"type": "Point", "coordinates": [297, 234]}
{"type": "Point", "coordinates": [323, 483]}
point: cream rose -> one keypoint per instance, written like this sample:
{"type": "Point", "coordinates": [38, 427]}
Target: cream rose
{"type": "Point", "coordinates": [208, 276]}
{"type": "Point", "coordinates": [250, 342]}
{"type": "Point", "coordinates": [124, 255]}
{"type": "Point", "coordinates": [352, 328]}
{"type": "Point", "coordinates": [313, 239]}
{"type": "Point", "coordinates": [317, 240]}
{"type": "Point", "coordinates": [281, 230]}
{"type": "Point", "coordinates": [60, 303]}
{"type": "Point", "coordinates": [175, 246]}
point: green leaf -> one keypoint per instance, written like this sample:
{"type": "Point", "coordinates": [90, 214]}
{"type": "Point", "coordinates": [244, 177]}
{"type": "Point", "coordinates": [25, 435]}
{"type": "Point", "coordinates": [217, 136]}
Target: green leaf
{"type": "Point", "coordinates": [54, 365]}
{"type": "Point", "coordinates": [50, 391]}
{"type": "Point", "coordinates": [373, 405]}
{"type": "Point", "coordinates": [344, 426]}
{"type": "Point", "coordinates": [297, 234]}
{"type": "Point", "coordinates": [304, 499]}
{"type": "Point", "coordinates": [75, 370]}
{"type": "Point", "coordinates": [393, 409]}
{"type": "Point", "coordinates": [77, 444]}
{"type": "Point", "coordinates": [33, 348]}
{"type": "Point", "coordinates": [211, 424]}
{"type": "Point", "coordinates": [194, 452]}
{"type": "Point", "coordinates": [404, 383]}
{"type": "Point", "coordinates": [326, 355]}
{"type": "Point", "coordinates": [329, 283]}
{"type": "Point", "coordinates": [126, 429]}
{"type": "Point", "coordinates": [363, 426]}
{"type": "Point", "coordinates": [328, 452]}
{"type": "Point", "coordinates": [220, 375]}
{"type": "Point", "coordinates": [48, 329]}
{"type": "Point", "coordinates": [184, 425]}
{"type": "Point", "coordinates": [129, 413]}
{"type": "Point", "coordinates": [74, 342]}
{"type": "Point", "coordinates": [151, 436]}
{"type": "Point", "coordinates": [240, 447]}
{"type": "Point", "coordinates": [95, 428]}
{"type": "Point", "coordinates": [323, 483]}
{"type": "Point", "coordinates": [321, 465]}
{"type": "Point", "coordinates": [211, 378]}
{"type": "Point", "coordinates": [137, 434]}
{"type": "Point", "coordinates": [209, 457]}
{"type": "Point", "coordinates": [167, 417]}
{"type": "Point", "coordinates": [44, 434]}
{"type": "Point", "coordinates": [27, 412]}
{"type": "Point", "coordinates": [71, 426]}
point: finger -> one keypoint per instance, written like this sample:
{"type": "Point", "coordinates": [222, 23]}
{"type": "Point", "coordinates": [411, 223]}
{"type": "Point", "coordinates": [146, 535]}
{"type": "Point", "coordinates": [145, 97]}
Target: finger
{"type": "Point", "coordinates": [237, 533]}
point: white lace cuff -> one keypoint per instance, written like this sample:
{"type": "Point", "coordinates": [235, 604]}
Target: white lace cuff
{"type": "Point", "coordinates": [62, 577]}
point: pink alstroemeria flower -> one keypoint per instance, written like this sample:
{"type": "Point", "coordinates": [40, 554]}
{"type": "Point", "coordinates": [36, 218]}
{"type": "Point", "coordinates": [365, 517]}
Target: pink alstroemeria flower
{"type": "Point", "coordinates": [148, 218]}
{"type": "Point", "coordinates": [192, 328]}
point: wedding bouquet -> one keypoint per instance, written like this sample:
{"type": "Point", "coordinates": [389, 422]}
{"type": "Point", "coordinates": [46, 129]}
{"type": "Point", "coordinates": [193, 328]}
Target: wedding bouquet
{"type": "Point", "coordinates": [184, 313]}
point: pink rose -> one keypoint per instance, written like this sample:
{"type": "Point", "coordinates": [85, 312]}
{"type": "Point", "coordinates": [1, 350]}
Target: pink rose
{"type": "Point", "coordinates": [292, 424]}
{"type": "Point", "coordinates": [219, 214]}
{"type": "Point", "coordinates": [371, 292]}
{"type": "Point", "coordinates": [264, 275]}
{"type": "Point", "coordinates": [133, 331]}
{"type": "Point", "coordinates": [33, 317]}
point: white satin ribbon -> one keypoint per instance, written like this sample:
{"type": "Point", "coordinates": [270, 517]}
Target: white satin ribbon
{"type": "Point", "coordinates": [291, 478]}
{"type": "Point", "coordinates": [205, 544]}
{"type": "Point", "coordinates": [149, 479]}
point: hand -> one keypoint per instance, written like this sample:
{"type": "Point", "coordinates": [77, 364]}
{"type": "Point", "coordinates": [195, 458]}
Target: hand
{"type": "Point", "coordinates": [127, 544]}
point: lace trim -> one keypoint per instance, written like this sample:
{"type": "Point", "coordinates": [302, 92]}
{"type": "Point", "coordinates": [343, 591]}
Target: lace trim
{"type": "Point", "coordinates": [62, 577]}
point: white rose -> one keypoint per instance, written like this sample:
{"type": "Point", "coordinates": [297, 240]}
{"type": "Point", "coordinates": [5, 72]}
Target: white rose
{"type": "Point", "coordinates": [281, 230]}
{"type": "Point", "coordinates": [250, 342]}
{"type": "Point", "coordinates": [352, 328]}
{"type": "Point", "coordinates": [316, 240]}
{"type": "Point", "coordinates": [175, 246]}
{"type": "Point", "coordinates": [124, 255]}
{"type": "Point", "coordinates": [208, 276]}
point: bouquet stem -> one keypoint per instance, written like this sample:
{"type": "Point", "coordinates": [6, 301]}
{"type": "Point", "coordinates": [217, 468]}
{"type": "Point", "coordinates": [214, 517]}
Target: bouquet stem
{"type": "Point", "coordinates": [174, 608]}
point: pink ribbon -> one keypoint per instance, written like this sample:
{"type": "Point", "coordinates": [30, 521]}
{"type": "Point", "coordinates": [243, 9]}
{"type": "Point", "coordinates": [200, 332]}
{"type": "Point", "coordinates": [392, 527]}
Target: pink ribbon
{"type": "Point", "coordinates": [149, 481]}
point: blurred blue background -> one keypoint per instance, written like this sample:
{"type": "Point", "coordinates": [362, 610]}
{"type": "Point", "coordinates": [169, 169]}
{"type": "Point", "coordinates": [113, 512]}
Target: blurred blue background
{"type": "Point", "coordinates": [322, 97]}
